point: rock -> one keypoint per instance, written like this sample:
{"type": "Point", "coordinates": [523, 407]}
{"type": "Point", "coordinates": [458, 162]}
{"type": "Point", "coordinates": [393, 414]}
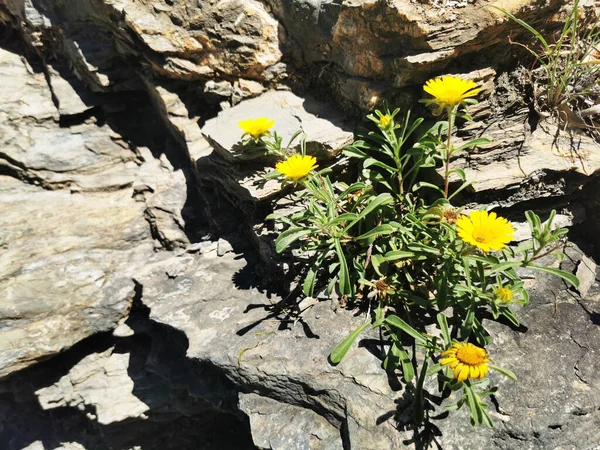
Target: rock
{"type": "Point", "coordinates": [586, 272]}
{"type": "Point", "coordinates": [280, 426]}
{"type": "Point", "coordinates": [284, 390]}
{"type": "Point", "coordinates": [68, 91]}
{"type": "Point", "coordinates": [80, 211]}
{"type": "Point", "coordinates": [325, 130]}
{"type": "Point", "coordinates": [235, 329]}
{"type": "Point", "coordinates": [99, 381]}
{"type": "Point", "coordinates": [188, 41]}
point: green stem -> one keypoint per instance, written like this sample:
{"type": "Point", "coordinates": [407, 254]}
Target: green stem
{"type": "Point", "coordinates": [448, 150]}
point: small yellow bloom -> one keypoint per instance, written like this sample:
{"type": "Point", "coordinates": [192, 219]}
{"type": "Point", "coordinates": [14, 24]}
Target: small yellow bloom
{"type": "Point", "coordinates": [297, 166]}
{"type": "Point", "coordinates": [256, 127]}
{"type": "Point", "coordinates": [385, 121]}
{"type": "Point", "coordinates": [449, 91]}
{"type": "Point", "coordinates": [504, 294]}
{"type": "Point", "coordinates": [466, 360]}
{"type": "Point", "coordinates": [485, 231]}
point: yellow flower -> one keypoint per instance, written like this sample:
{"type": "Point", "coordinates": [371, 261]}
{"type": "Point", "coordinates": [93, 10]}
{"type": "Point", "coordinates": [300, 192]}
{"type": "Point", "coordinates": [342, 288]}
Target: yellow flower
{"type": "Point", "coordinates": [449, 91]}
{"type": "Point", "coordinates": [256, 127]}
{"type": "Point", "coordinates": [466, 360]}
{"type": "Point", "coordinates": [385, 121]}
{"type": "Point", "coordinates": [485, 231]}
{"type": "Point", "coordinates": [297, 166]}
{"type": "Point", "coordinates": [504, 294]}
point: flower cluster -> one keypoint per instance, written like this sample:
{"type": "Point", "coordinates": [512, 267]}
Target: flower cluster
{"type": "Point", "coordinates": [406, 256]}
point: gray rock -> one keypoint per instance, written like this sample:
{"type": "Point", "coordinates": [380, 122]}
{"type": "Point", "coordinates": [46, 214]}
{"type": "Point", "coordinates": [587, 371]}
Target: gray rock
{"type": "Point", "coordinates": [280, 426]}
{"type": "Point", "coordinates": [326, 133]}
{"type": "Point", "coordinates": [99, 381]}
{"type": "Point", "coordinates": [288, 367]}
{"type": "Point", "coordinates": [77, 227]}
{"type": "Point", "coordinates": [586, 272]}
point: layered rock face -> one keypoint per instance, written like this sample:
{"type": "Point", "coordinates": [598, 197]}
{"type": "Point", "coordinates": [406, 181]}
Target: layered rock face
{"type": "Point", "coordinates": [142, 304]}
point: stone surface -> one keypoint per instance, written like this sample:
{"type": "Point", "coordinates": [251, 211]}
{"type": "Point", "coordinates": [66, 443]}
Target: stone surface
{"type": "Point", "coordinates": [198, 350]}
{"type": "Point", "coordinates": [99, 381]}
{"type": "Point", "coordinates": [324, 127]}
{"type": "Point", "coordinates": [81, 211]}
{"type": "Point", "coordinates": [245, 339]}
{"type": "Point", "coordinates": [280, 426]}
{"type": "Point", "coordinates": [188, 40]}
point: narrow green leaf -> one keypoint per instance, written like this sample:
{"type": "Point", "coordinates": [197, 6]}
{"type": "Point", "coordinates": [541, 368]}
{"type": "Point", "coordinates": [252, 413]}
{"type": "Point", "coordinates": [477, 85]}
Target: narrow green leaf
{"type": "Point", "coordinates": [391, 361]}
{"type": "Point", "coordinates": [373, 162]}
{"type": "Point", "coordinates": [443, 323]}
{"type": "Point", "coordinates": [408, 370]}
{"type": "Point", "coordinates": [505, 372]}
{"type": "Point", "coordinates": [422, 184]}
{"type": "Point", "coordinates": [289, 236]}
{"type": "Point", "coordinates": [398, 254]}
{"type": "Point", "coordinates": [568, 277]}
{"type": "Point", "coordinates": [397, 322]}
{"type": "Point", "coordinates": [501, 267]}
{"type": "Point", "coordinates": [506, 312]}
{"type": "Point", "coordinates": [380, 200]}
{"type": "Point", "coordinates": [342, 348]}
{"type": "Point", "coordinates": [379, 230]}
{"type": "Point", "coordinates": [473, 143]}
{"type": "Point", "coordinates": [434, 369]}
{"type": "Point", "coordinates": [345, 285]}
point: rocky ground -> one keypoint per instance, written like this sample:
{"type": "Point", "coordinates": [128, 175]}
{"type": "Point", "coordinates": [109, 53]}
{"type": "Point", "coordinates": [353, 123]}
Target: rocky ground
{"type": "Point", "coordinates": [142, 305]}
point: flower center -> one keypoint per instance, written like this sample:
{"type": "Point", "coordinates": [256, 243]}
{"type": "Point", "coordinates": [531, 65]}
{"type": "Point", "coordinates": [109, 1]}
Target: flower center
{"type": "Point", "coordinates": [471, 355]}
{"type": "Point", "coordinates": [480, 236]}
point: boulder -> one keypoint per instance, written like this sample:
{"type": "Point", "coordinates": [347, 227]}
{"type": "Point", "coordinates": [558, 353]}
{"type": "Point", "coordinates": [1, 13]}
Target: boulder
{"type": "Point", "coordinates": [81, 212]}
{"type": "Point", "coordinates": [326, 133]}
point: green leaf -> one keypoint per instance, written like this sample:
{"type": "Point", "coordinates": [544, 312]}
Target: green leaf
{"type": "Point", "coordinates": [501, 267]}
{"type": "Point", "coordinates": [391, 361]}
{"type": "Point", "coordinates": [408, 370]}
{"type": "Point", "coordinates": [434, 369]}
{"type": "Point", "coordinates": [342, 348]}
{"type": "Point", "coordinates": [443, 323]}
{"type": "Point", "coordinates": [341, 218]}
{"type": "Point", "coordinates": [418, 247]}
{"type": "Point", "coordinates": [381, 199]}
{"type": "Point", "coordinates": [345, 285]}
{"type": "Point", "coordinates": [473, 143]}
{"type": "Point", "coordinates": [422, 184]}
{"type": "Point", "coordinates": [379, 230]}
{"type": "Point", "coordinates": [506, 312]}
{"type": "Point", "coordinates": [505, 372]}
{"type": "Point", "coordinates": [289, 236]}
{"type": "Point", "coordinates": [311, 276]}
{"type": "Point", "coordinates": [397, 322]}
{"type": "Point", "coordinates": [398, 254]}
{"type": "Point", "coordinates": [373, 162]}
{"type": "Point", "coordinates": [379, 264]}
{"type": "Point", "coordinates": [568, 277]}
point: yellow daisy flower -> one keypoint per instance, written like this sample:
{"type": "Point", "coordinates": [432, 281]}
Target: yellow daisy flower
{"type": "Point", "coordinates": [256, 127]}
{"type": "Point", "coordinates": [504, 294]}
{"type": "Point", "coordinates": [385, 121]}
{"type": "Point", "coordinates": [449, 91]}
{"type": "Point", "coordinates": [466, 360]}
{"type": "Point", "coordinates": [485, 231]}
{"type": "Point", "coordinates": [297, 166]}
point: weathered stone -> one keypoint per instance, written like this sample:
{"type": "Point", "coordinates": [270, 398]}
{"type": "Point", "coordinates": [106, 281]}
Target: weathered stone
{"type": "Point", "coordinates": [586, 272]}
{"type": "Point", "coordinates": [66, 268]}
{"type": "Point", "coordinates": [325, 129]}
{"type": "Point", "coordinates": [187, 41]}
{"type": "Point", "coordinates": [260, 358]}
{"type": "Point", "coordinates": [280, 426]}
{"type": "Point", "coordinates": [99, 381]}
{"type": "Point", "coordinates": [214, 312]}
{"type": "Point", "coordinates": [76, 229]}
